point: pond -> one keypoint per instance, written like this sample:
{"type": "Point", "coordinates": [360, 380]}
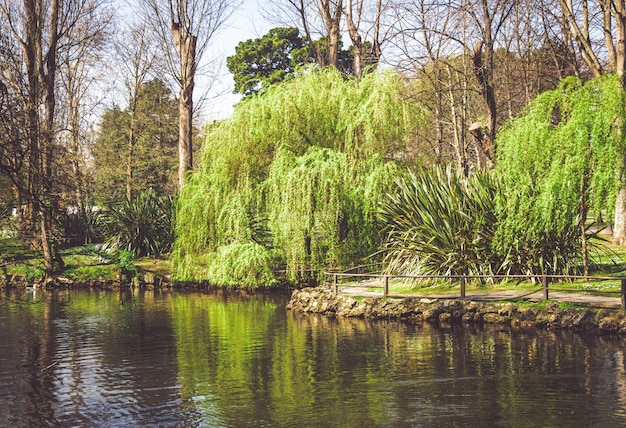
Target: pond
{"type": "Point", "coordinates": [120, 359]}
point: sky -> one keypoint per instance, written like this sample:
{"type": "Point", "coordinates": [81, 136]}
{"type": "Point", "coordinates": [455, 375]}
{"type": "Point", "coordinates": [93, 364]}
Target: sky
{"type": "Point", "coordinates": [246, 23]}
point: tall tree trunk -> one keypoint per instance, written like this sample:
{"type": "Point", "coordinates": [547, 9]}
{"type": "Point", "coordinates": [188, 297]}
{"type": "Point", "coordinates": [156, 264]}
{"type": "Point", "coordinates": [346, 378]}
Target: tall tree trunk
{"type": "Point", "coordinates": [186, 47]}
{"type": "Point", "coordinates": [582, 216]}
{"type": "Point", "coordinates": [130, 156]}
{"type": "Point", "coordinates": [355, 37]}
{"type": "Point", "coordinates": [376, 45]}
{"type": "Point", "coordinates": [31, 48]}
{"type": "Point", "coordinates": [53, 261]}
{"type": "Point", "coordinates": [332, 19]}
{"type": "Point", "coordinates": [619, 227]}
{"type": "Point", "coordinates": [185, 137]}
{"type": "Point", "coordinates": [483, 73]}
{"type": "Point", "coordinates": [620, 42]}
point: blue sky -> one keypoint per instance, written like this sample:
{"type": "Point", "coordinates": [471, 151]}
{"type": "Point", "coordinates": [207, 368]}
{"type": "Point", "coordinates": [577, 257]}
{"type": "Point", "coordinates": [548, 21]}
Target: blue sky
{"type": "Point", "coordinates": [246, 23]}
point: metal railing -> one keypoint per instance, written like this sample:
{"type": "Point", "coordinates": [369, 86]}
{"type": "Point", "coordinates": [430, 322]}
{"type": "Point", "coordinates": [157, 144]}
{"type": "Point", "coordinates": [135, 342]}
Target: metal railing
{"type": "Point", "coordinates": [545, 280]}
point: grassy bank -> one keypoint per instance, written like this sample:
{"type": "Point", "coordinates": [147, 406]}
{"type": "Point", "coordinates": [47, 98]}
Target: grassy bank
{"type": "Point", "coordinates": [90, 262]}
{"type": "Point", "coordinates": [82, 263]}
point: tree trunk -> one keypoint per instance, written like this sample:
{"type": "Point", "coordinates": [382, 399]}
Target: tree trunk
{"type": "Point", "coordinates": [53, 260]}
{"type": "Point", "coordinates": [582, 37]}
{"type": "Point", "coordinates": [357, 42]}
{"type": "Point", "coordinates": [130, 156]}
{"type": "Point", "coordinates": [332, 19]}
{"type": "Point", "coordinates": [185, 118]}
{"type": "Point", "coordinates": [619, 226]}
{"type": "Point", "coordinates": [482, 71]}
{"type": "Point", "coordinates": [376, 48]}
{"type": "Point", "coordinates": [186, 47]}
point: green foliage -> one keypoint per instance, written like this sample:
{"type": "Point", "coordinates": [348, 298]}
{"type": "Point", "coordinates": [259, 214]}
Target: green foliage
{"type": "Point", "coordinates": [298, 171]}
{"type": "Point", "coordinates": [81, 226]}
{"type": "Point", "coordinates": [155, 157]}
{"type": "Point", "coordinates": [125, 260]}
{"type": "Point", "coordinates": [143, 226]}
{"type": "Point", "coordinates": [245, 265]}
{"type": "Point", "coordinates": [270, 59]}
{"type": "Point", "coordinates": [561, 156]}
{"type": "Point", "coordinates": [277, 56]}
{"type": "Point", "coordinates": [439, 223]}
{"type": "Point", "coordinates": [319, 208]}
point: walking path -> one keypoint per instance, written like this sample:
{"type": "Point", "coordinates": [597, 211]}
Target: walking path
{"type": "Point", "coordinates": [534, 296]}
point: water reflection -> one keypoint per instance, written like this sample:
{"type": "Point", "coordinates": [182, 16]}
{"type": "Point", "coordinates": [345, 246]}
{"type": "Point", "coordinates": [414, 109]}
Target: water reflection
{"type": "Point", "coordinates": [93, 358]}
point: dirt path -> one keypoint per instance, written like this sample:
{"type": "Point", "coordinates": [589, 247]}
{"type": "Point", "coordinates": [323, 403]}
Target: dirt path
{"type": "Point", "coordinates": [534, 296]}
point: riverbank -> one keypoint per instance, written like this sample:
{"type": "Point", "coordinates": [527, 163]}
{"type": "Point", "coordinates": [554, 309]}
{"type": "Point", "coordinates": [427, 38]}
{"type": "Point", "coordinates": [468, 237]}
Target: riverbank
{"type": "Point", "coordinates": [522, 315]}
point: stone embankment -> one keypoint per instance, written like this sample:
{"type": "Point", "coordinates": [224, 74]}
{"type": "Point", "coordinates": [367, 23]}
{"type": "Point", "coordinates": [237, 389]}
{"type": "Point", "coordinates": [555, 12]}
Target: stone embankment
{"type": "Point", "coordinates": [418, 310]}
{"type": "Point", "coordinates": [146, 280]}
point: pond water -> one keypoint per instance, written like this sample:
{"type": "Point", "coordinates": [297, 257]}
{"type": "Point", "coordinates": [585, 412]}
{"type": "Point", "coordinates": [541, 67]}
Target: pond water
{"type": "Point", "coordinates": [120, 359]}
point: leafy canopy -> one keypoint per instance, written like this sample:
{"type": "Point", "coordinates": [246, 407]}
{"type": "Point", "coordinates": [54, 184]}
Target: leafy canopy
{"type": "Point", "coordinates": [154, 158]}
{"type": "Point", "coordinates": [277, 56]}
{"type": "Point", "coordinates": [560, 157]}
{"type": "Point", "coordinates": [298, 171]}
{"type": "Point", "coordinates": [258, 63]}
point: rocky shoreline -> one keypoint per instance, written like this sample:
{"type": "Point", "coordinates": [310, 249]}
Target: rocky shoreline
{"type": "Point", "coordinates": [147, 281]}
{"type": "Point", "coordinates": [445, 311]}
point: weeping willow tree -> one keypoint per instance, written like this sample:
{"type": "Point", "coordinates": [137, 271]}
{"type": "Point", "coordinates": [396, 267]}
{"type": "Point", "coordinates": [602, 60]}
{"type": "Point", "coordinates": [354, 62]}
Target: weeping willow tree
{"type": "Point", "coordinates": [291, 180]}
{"type": "Point", "coordinates": [557, 161]}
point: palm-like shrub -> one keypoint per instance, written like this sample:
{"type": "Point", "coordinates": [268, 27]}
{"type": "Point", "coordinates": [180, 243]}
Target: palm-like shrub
{"type": "Point", "coordinates": [441, 223]}
{"type": "Point", "coordinates": [143, 226]}
{"type": "Point", "coordinates": [81, 226]}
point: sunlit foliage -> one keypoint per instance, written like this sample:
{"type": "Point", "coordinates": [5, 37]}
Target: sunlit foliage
{"type": "Point", "coordinates": [556, 160]}
{"type": "Point", "coordinates": [298, 172]}
{"type": "Point", "coordinates": [440, 223]}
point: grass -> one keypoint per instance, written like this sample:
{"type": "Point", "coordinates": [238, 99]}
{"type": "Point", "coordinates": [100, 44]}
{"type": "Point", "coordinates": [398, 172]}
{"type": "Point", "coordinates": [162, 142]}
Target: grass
{"type": "Point", "coordinates": [81, 263]}
{"type": "Point", "coordinates": [85, 263]}
{"type": "Point", "coordinates": [542, 304]}
{"type": "Point", "coordinates": [609, 261]}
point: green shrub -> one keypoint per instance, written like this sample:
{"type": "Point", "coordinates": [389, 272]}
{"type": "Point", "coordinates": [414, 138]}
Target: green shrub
{"type": "Point", "coordinates": [440, 223]}
{"type": "Point", "coordinates": [143, 226]}
{"type": "Point", "coordinates": [245, 265]}
{"type": "Point", "coordinates": [81, 226]}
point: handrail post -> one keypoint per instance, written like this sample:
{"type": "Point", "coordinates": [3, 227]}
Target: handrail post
{"type": "Point", "coordinates": [544, 283]}
{"type": "Point", "coordinates": [335, 287]}
{"type": "Point", "coordinates": [463, 282]}
{"type": "Point", "coordinates": [386, 286]}
{"type": "Point", "coordinates": [624, 294]}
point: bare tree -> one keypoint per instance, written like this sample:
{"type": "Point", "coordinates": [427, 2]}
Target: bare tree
{"type": "Point", "coordinates": [80, 94]}
{"type": "Point", "coordinates": [138, 62]}
{"type": "Point", "coordinates": [185, 28]}
{"type": "Point", "coordinates": [358, 31]}
{"type": "Point", "coordinates": [42, 29]}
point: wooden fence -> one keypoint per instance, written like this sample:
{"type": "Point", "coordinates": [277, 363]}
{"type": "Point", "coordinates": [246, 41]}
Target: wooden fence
{"type": "Point", "coordinates": [545, 280]}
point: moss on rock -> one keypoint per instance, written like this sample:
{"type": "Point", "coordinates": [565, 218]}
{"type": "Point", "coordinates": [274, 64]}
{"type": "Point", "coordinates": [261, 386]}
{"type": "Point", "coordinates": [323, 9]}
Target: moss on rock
{"type": "Point", "coordinates": [551, 316]}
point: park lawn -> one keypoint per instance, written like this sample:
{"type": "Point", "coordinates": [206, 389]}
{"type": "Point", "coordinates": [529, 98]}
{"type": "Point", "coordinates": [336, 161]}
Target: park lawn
{"type": "Point", "coordinates": [88, 262]}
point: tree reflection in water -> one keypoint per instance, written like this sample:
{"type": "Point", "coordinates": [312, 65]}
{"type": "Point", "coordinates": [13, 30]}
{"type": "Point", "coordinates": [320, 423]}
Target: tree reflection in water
{"type": "Point", "coordinates": [187, 359]}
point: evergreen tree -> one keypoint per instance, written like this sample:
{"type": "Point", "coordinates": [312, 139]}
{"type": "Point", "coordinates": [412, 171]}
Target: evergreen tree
{"type": "Point", "coordinates": [277, 56]}
{"type": "Point", "coordinates": [153, 161]}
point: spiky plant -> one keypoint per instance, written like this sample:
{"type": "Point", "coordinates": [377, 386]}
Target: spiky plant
{"type": "Point", "coordinates": [438, 222]}
{"type": "Point", "coordinates": [143, 226]}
